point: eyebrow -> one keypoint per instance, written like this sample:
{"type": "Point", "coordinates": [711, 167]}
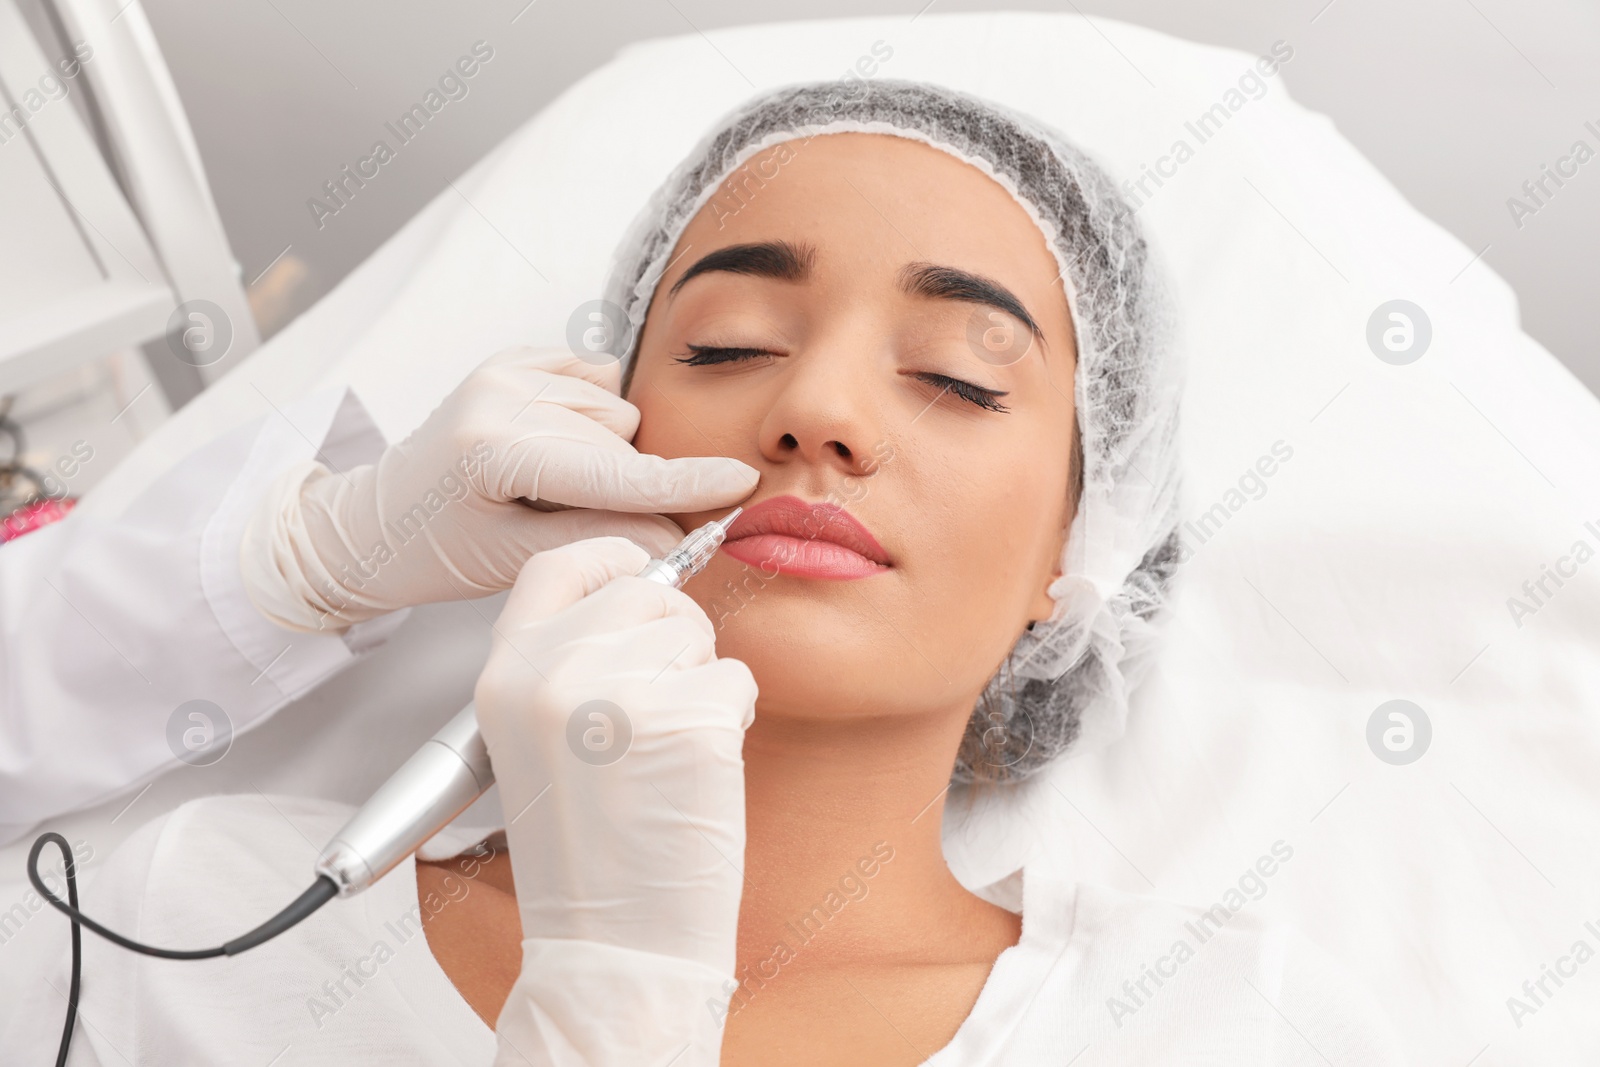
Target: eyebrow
{"type": "Point", "coordinates": [792, 262]}
{"type": "Point", "coordinates": [952, 283]}
{"type": "Point", "coordinates": [762, 259]}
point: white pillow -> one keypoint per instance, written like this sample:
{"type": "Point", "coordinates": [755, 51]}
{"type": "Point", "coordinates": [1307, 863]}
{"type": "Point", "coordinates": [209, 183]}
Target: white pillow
{"type": "Point", "coordinates": [1404, 505]}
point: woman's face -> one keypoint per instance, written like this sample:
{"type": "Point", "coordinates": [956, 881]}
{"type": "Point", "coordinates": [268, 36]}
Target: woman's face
{"type": "Point", "coordinates": [853, 322]}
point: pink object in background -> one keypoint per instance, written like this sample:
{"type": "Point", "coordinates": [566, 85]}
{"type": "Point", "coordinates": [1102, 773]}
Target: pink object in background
{"type": "Point", "coordinates": [30, 517]}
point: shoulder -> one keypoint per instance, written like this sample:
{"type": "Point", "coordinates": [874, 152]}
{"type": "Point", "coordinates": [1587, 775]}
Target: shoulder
{"type": "Point", "coordinates": [1149, 971]}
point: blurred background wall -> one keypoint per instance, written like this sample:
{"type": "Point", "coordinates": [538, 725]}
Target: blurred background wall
{"type": "Point", "coordinates": [1459, 102]}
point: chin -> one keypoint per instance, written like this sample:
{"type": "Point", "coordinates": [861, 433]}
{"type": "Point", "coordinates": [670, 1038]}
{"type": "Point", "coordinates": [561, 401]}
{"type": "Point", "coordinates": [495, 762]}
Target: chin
{"type": "Point", "coordinates": [815, 645]}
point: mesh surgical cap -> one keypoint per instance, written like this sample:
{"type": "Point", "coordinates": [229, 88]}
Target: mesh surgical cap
{"type": "Point", "coordinates": [1067, 680]}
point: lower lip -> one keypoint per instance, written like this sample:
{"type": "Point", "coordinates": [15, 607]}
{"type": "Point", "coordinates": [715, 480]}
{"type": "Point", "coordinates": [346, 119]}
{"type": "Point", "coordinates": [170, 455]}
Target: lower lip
{"type": "Point", "coordinates": [802, 557]}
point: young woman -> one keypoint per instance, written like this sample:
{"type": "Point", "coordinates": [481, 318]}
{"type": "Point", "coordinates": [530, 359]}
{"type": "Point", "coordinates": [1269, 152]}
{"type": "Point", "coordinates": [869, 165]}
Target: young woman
{"type": "Point", "coordinates": [936, 331]}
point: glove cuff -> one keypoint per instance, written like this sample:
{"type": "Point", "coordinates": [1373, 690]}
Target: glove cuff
{"type": "Point", "coordinates": [283, 575]}
{"type": "Point", "coordinates": [590, 1004]}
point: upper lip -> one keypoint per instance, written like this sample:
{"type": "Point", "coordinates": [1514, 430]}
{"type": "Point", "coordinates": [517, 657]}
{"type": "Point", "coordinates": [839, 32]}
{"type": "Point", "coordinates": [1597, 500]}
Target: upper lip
{"type": "Point", "coordinates": [813, 521]}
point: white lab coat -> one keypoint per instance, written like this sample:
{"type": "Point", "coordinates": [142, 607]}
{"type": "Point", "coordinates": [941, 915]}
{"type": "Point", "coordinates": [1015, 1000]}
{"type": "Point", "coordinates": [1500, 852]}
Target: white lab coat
{"type": "Point", "coordinates": [108, 625]}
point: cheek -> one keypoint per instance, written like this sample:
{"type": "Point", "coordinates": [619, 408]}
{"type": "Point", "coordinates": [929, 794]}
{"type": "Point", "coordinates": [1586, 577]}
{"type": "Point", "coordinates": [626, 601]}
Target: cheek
{"type": "Point", "coordinates": [991, 545]}
{"type": "Point", "coordinates": [673, 421]}
{"type": "Point", "coordinates": [681, 416]}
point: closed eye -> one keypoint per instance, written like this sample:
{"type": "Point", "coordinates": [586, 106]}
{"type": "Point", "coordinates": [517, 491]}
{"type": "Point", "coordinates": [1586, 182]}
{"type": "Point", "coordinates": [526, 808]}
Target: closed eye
{"type": "Point", "coordinates": [706, 355]}
{"type": "Point", "coordinates": [988, 399]}
{"type": "Point", "coordinates": [977, 395]}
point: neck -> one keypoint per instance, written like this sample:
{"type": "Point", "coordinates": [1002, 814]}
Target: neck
{"type": "Point", "coordinates": [842, 824]}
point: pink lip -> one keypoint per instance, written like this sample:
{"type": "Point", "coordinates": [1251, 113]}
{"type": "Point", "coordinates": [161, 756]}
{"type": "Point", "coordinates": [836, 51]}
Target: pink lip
{"type": "Point", "coordinates": [808, 540]}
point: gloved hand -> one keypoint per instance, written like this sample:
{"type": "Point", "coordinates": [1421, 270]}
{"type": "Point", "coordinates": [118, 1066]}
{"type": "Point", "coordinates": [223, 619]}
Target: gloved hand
{"type": "Point", "coordinates": [616, 736]}
{"type": "Point", "coordinates": [438, 517]}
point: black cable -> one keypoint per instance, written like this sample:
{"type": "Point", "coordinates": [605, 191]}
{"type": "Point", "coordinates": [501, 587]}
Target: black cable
{"type": "Point", "coordinates": [320, 892]}
{"type": "Point", "coordinates": [77, 935]}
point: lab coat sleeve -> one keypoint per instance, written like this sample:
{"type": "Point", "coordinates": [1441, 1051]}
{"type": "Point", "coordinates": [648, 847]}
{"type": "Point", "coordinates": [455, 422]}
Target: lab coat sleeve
{"type": "Point", "coordinates": [108, 626]}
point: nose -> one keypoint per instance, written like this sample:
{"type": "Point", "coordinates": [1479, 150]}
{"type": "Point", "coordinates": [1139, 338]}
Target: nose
{"type": "Point", "coordinates": [824, 414]}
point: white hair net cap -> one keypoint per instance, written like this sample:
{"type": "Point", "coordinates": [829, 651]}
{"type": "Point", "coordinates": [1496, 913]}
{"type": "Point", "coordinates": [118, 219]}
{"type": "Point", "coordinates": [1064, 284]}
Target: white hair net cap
{"type": "Point", "coordinates": [1067, 681]}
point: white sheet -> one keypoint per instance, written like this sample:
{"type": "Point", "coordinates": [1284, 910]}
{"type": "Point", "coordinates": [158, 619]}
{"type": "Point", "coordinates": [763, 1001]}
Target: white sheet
{"type": "Point", "coordinates": [1376, 565]}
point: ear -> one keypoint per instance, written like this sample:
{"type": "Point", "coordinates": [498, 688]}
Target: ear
{"type": "Point", "coordinates": [1043, 605]}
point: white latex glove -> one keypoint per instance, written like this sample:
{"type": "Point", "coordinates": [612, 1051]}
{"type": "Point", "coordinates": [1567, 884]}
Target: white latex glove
{"type": "Point", "coordinates": [438, 517]}
{"type": "Point", "coordinates": [625, 820]}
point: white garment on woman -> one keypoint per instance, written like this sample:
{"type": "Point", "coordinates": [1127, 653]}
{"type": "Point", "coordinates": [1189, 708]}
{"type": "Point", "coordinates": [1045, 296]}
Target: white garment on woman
{"type": "Point", "coordinates": [356, 983]}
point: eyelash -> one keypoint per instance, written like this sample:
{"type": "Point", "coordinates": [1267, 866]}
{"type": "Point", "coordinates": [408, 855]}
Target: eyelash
{"type": "Point", "coordinates": [988, 399]}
